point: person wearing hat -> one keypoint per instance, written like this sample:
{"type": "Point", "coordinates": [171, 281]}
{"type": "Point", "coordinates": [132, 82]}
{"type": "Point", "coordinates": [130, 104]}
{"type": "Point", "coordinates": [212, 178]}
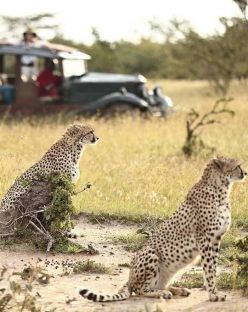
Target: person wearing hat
{"type": "Point", "coordinates": [29, 62]}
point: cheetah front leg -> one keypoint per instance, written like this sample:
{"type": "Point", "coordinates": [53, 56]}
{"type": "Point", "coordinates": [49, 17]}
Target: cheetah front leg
{"type": "Point", "coordinates": [208, 256]}
{"type": "Point", "coordinates": [216, 248]}
{"type": "Point", "coordinates": [147, 277]}
{"type": "Point", "coordinates": [215, 253]}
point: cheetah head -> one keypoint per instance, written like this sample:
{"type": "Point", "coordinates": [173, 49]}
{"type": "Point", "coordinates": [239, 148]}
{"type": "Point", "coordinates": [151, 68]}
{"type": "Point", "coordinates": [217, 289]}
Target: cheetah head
{"type": "Point", "coordinates": [230, 168]}
{"type": "Point", "coordinates": [82, 133]}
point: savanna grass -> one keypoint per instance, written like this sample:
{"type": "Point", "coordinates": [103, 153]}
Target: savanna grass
{"type": "Point", "coordinates": [137, 167]}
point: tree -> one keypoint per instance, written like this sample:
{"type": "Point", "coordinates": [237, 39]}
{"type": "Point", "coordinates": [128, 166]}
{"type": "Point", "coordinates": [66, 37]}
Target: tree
{"type": "Point", "coordinates": [243, 4]}
{"type": "Point", "coordinates": [215, 60]}
{"type": "Point", "coordinates": [220, 57]}
{"type": "Point", "coordinates": [182, 54]}
{"type": "Point", "coordinates": [196, 122]}
{"type": "Point", "coordinates": [13, 26]}
{"type": "Point", "coordinates": [103, 53]}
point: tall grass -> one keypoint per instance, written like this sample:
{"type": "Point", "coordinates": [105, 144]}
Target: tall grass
{"type": "Point", "coordinates": [137, 166]}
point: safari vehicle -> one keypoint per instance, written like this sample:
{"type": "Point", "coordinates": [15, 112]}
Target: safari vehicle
{"type": "Point", "coordinates": [82, 91]}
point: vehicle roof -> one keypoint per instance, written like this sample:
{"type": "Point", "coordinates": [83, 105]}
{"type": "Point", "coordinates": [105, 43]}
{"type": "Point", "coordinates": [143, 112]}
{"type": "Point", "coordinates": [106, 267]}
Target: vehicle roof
{"type": "Point", "coordinates": [46, 49]}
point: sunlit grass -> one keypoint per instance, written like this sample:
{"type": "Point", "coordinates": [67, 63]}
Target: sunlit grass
{"type": "Point", "coordinates": [137, 166]}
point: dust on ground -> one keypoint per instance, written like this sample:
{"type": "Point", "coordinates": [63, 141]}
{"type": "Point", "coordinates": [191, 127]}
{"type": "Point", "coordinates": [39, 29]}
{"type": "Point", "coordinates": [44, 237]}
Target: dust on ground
{"type": "Point", "coordinates": [61, 294]}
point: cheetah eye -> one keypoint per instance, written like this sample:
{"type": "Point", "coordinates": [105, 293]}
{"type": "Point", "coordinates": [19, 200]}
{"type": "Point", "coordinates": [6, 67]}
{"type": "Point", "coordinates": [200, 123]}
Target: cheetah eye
{"type": "Point", "coordinates": [237, 168]}
{"type": "Point", "coordinates": [88, 135]}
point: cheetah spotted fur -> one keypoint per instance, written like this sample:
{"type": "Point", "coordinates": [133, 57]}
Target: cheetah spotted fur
{"type": "Point", "coordinates": [63, 157]}
{"type": "Point", "coordinates": [196, 228]}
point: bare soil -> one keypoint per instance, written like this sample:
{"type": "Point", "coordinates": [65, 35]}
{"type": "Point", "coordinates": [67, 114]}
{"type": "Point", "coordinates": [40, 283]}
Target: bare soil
{"type": "Point", "coordinates": [61, 293]}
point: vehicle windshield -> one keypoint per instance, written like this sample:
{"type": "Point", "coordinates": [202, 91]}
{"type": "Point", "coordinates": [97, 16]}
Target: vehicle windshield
{"type": "Point", "coordinates": [74, 68]}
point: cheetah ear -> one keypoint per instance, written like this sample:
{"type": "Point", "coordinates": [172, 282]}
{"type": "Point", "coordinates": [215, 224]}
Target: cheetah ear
{"type": "Point", "coordinates": [219, 163]}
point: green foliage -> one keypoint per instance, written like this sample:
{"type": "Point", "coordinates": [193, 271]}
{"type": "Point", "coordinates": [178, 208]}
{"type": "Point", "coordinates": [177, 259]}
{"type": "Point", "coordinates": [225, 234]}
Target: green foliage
{"type": "Point", "coordinates": [89, 266]}
{"type": "Point", "coordinates": [235, 254]}
{"type": "Point", "coordinates": [190, 280]}
{"type": "Point", "coordinates": [225, 280]}
{"type": "Point", "coordinates": [103, 53]}
{"type": "Point", "coordinates": [131, 242]}
{"type": "Point", "coordinates": [242, 244]}
{"type": "Point", "coordinates": [56, 218]}
{"type": "Point", "coordinates": [58, 214]}
{"type": "Point", "coordinates": [63, 245]}
{"type": "Point", "coordinates": [242, 262]}
{"type": "Point", "coordinates": [230, 238]}
{"type": "Point", "coordinates": [220, 57]}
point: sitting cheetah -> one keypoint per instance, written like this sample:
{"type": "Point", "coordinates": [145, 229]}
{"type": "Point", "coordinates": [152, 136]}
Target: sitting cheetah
{"type": "Point", "coordinates": [63, 157]}
{"type": "Point", "coordinates": [194, 229]}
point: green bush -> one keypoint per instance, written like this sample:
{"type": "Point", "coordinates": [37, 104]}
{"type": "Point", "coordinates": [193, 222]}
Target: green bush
{"type": "Point", "coordinates": [58, 213]}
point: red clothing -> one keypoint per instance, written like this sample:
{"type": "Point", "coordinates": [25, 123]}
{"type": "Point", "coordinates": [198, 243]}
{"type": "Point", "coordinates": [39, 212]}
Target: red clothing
{"type": "Point", "coordinates": [48, 83]}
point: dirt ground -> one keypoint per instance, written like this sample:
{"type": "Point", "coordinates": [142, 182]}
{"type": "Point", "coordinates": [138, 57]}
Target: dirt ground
{"type": "Point", "coordinates": [61, 293]}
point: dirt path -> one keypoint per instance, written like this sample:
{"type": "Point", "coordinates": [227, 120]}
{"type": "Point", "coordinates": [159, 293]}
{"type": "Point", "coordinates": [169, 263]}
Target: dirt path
{"type": "Point", "coordinates": [63, 288]}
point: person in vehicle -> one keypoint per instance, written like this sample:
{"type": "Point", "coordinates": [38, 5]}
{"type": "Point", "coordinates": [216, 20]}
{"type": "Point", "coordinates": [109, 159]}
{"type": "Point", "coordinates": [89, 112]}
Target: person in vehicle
{"type": "Point", "coordinates": [29, 62]}
{"type": "Point", "coordinates": [48, 83]}
{"type": "Point", "coordinates": [7, 91]}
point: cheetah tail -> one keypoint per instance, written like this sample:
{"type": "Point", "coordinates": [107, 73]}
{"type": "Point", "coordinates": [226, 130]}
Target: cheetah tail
{"type": "Point", "coordinates": [123, 294]}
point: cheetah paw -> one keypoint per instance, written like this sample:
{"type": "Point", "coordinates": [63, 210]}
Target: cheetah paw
{"type": "Point", "coordinates": [167, 295]}
{"type": "Point", "coordinates": [215, 297]}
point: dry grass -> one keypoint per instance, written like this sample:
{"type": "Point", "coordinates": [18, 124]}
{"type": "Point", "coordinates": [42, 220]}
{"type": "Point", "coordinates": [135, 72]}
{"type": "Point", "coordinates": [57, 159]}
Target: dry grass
{"type": "Point", "coordinates": [137, 166]}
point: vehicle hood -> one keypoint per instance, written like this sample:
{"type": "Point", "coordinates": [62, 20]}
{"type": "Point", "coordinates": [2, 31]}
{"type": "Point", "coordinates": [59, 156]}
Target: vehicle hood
{"type": "Point", "coordinates": [109, 77]}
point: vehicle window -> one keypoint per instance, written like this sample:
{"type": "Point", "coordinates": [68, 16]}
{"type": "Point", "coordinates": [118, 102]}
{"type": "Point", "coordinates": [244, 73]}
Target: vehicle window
{"type": "Point", "coordinates": [74, 68]}
{"type": "Point", "coordinates": [9, 64]}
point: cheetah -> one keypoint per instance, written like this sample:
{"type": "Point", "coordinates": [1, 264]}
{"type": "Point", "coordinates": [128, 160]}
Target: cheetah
{"type": "Point", "coordinates": [196, 228]}
{"type": "Point", "coordinates": [62, 157]}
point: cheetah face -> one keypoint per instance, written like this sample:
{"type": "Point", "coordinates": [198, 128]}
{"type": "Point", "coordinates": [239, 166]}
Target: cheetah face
{"type": "Point", "coordinates": [80, 133]}
{"type": "Point", "coordinates": [90, 138]}
{"type": "Point", "coordinates": [230, 168]}
{"type": "Point", "coordinates": [237, 174]}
